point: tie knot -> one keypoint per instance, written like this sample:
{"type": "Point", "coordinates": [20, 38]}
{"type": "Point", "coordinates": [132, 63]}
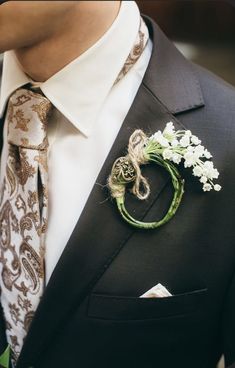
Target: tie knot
{"type": "Point", "coordinates": [27, 117]}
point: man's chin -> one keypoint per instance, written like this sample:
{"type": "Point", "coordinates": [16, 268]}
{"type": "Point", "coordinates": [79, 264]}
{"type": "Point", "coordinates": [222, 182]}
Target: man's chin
{"type": "Point", "coordinates": [27, 23]}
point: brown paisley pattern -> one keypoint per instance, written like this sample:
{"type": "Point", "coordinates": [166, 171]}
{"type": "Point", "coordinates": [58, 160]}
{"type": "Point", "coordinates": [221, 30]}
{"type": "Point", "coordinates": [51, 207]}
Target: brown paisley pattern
{"type": "Point", "coordinates": [25, 170]}
{"type": "Point", "coordinates": [11, 179]}
{"type": "Point", "coordinates": [23, 220]}
{"type": "Point", "coordinates": [42, 109]}
{"type": "Point", "coordinates": [20, 100]}
{"type": "Point", "coordinates": [25, 304]}
{"type": "Point", "coordinates": [21, 121]}
{"type": "Point", "coordinates": [136, 51]}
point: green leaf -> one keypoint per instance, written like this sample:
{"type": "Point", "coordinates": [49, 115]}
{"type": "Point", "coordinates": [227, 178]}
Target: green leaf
{"type": "Point", "coordinates": [5, 358]}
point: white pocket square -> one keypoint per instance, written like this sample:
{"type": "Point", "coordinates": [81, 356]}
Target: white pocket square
{"type": "Point", "coordinates": [158, 291]}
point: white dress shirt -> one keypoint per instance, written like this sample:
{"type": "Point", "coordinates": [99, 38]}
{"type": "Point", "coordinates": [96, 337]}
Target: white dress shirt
{"type": "Point", "coordinates": [88, 114]}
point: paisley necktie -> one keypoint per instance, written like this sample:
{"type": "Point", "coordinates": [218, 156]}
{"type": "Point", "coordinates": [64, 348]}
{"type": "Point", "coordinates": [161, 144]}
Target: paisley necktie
{"type": "Point", "coordinates": [23, 212]}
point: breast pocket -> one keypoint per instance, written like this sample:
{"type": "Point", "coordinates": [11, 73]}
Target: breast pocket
{"type": "Point", "coordinates": [109, 307]}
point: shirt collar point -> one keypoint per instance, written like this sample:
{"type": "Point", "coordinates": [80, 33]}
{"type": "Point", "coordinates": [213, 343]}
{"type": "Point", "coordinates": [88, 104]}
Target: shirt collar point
{"type": "Point", "coordinates": [83, 129]}
{"type": "Point", "coordinates": [85, 132]}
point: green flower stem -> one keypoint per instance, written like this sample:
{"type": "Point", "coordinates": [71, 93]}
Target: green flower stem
{"type": "Point", "coordinates": [5, 358]}
{"type": "Point", "coordinates": [178, 184]}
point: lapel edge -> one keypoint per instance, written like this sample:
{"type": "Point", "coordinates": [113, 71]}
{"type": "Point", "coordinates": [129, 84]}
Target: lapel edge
{"type": "Point", "coordinates": [170, 76]}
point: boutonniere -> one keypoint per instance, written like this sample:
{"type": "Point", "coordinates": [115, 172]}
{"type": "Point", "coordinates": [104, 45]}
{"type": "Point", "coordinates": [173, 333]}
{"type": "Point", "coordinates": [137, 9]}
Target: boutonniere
{"type": "Point", "coordinates": [167, 149]}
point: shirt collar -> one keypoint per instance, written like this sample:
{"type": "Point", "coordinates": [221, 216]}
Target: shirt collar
{"type": "Point", "coordinates": [79, 90]}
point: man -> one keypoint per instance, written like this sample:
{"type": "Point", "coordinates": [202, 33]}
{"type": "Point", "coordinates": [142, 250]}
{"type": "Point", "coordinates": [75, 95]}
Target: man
{"type": "Point", "coordinates": [82, 77]}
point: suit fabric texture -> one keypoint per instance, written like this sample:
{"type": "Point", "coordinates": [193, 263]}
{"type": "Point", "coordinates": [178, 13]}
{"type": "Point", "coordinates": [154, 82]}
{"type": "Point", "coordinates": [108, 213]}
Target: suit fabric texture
{"type": "Point", "coordinates": [91, 314]}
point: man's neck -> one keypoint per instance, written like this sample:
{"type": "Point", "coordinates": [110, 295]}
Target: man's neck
{"type": "Point", "coordinates": [77, 33]}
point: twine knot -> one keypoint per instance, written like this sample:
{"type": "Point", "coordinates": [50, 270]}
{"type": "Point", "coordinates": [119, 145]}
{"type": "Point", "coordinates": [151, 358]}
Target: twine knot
{"type": "Point", "coordinates": [127, 169]}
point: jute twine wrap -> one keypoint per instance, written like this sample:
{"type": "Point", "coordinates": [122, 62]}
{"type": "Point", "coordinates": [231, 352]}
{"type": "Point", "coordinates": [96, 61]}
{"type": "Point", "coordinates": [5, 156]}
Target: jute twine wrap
{"type": "Point", "coordinates": [136, 156]}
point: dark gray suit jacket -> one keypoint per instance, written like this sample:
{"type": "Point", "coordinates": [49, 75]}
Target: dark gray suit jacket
{"type": "Point", "coordinates": [91, 314]}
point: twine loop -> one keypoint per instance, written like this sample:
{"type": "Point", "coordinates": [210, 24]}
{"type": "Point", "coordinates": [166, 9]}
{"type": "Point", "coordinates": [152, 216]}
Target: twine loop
{"type": "Point", "coordinates": [127, 169]}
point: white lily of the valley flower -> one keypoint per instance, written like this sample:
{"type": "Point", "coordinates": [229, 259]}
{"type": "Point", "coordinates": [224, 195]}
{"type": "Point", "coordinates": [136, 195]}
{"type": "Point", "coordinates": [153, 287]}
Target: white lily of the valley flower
{"type": "Point", "coordinates": [185, 141]}
{"type": "Point", "coordinates": [188, 133]}
{"type": "Point", "coordinates": [176, 158]}
{"type": "Point", "coordinates": [198, 171]}
{"type": "Point", "coordinates": [190, 159]}
{"type": "Point", "coordinates": [169, 131]}
{"type": "Point", "coordinates": [217, 187]}
{"type": "Point", "coordinates": [159, 138]}
{"type": "Point", "coordinates": [210, 171]}
{"type": "Point", "coordinates": [181, 145]}
{"type": "Point", "coordinates": [207, 187]}
{"type": "Point", "coordinates": [190, 149]}
{"type": "Point", "coordinates": [195, 140]}
{"type": "Point", "coordinates": [167, 154]}
{"type": "Point", "coordinates": [207, 154]}
{"type": "Point", "coordinates": [199, 150]}
{"type": "Point", "coordinates": [203, 179]}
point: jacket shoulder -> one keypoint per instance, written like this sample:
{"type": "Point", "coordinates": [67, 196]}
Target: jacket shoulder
{"type": "Point", "coordinates": [219, 96]}
{"type": "Point", "coordinates": [215, 121]}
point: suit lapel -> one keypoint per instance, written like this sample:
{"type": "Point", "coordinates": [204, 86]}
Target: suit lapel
{"type": "Point", "coordinates": [100, 233]}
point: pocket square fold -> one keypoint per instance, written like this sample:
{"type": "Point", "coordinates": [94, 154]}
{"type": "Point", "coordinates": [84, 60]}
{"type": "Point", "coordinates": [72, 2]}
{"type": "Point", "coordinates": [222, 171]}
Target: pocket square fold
{"type": "Point", "coordinates": [157, 291]}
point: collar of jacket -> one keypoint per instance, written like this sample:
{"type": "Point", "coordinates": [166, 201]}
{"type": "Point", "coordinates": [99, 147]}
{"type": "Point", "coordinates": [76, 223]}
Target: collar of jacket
{"type": "Point", "coordinates": [169, 76]}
